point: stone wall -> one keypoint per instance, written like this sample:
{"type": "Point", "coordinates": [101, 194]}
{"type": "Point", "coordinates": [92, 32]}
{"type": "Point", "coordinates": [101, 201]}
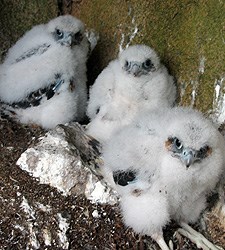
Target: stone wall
{"type": "Point", "coordinates": [189, 36]}
{"type": "Point", "coordinates": [18, 16]}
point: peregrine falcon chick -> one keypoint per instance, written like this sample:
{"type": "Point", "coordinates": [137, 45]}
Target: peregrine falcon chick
{"type": "Point", "coordinates": [133, 82]}
{"type": "Point", "coordinates": [43, 77]}
{"type": "Point", "coordinates": [164, 165]}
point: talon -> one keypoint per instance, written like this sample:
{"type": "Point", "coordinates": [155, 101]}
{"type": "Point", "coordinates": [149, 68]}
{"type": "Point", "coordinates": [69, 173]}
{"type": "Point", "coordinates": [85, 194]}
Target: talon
{"type": "Point", "coordinates": [196, 237]}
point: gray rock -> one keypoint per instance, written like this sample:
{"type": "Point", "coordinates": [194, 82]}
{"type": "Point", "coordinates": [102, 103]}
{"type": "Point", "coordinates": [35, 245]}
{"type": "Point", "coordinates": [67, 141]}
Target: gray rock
{"type": "Point", "coordinates": [69, 160]}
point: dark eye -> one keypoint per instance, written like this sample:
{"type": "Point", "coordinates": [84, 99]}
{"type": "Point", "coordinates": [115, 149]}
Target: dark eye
{"type": "Point", "coordinates": [147, 64]}
{"type": "Point", "coordinates": [78, 36]}
{"type": "Point", "coordinates": [203, 152]}
{"type": "Point", "coordinates": [126, 64]}
{"type": "Point", "coordinates": [177, 143]}
{"type": "Point", "coordinates": [59, 33]}
{"type": "Point", "coordinates": [97, 110]}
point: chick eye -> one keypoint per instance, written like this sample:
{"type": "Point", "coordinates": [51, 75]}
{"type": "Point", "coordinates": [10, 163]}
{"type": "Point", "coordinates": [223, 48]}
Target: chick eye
{"type": "Point", "coordinates": [78, 36]}
{"type": "Point", "coordinates": [126, 64]}
{"type": "Point", "coordinates": [59, 33]}
{"type": "Point", "coordinates": [147, 64]}
{"type": "Point", "coordinates": [203, 151]}
{"type": "Point", "coordinates": [177, 143]}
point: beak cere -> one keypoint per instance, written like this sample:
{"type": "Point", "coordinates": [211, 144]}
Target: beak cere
{"type": "Point", "coordinates": [67, 41]}
{"type": "Point", "coordinates": [188, 157]}
{"type": "Point", "coordinates": [135, 69]}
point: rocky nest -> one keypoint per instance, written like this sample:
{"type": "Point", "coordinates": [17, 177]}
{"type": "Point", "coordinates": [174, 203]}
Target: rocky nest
{"type": "Point", "coordinates": [38, 216]}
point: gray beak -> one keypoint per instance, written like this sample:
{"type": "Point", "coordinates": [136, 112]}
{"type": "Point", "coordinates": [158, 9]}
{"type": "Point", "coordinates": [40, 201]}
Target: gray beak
{"type": "Point", "coordinates": [188, 157]}
{"type": "Point", "coordinates": [67, 40]}
{"type": "Point", "coordinates": [135, 69]}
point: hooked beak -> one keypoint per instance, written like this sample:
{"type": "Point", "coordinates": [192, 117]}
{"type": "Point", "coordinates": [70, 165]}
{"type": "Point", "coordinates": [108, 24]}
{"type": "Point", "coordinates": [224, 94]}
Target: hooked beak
{"type": "Point", "coordinates": [67, 40]}
{"type": "Point", "coordinates": [188, 157]}
{"type": "Point", "coordinates": [70, 39]}
{"type": "Point", "coordinates": [135, 69]}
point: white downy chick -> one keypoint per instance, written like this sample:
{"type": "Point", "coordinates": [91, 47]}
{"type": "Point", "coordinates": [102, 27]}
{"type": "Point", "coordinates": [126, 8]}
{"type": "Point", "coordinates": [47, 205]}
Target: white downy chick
{"type": "Point", "coordinates": [193, 163]}
{"type": "Point", "coordinates": [164, 165]}
{"type": "Point", "coordinates": [133, 82]}
{"type": "Point", "coordinates": [131, 166]}
{"type": "Point", "coordinates": [43, 78]}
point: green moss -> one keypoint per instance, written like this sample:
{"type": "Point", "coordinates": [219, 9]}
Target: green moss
{"type": "Point", "coordinates": [18, 16]}
{"type": "Point", "coordinates": [111, 20]}
{"type": "Point", "coordinates": [182, 32]}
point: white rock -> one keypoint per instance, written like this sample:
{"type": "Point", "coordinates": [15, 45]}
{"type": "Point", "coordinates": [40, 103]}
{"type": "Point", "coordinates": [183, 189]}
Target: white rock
{"type": "Point", "coordinates": [67, 159]}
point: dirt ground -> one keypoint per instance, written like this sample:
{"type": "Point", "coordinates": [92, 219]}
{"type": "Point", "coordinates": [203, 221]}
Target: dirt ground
{"type": "Point", "coordinates": [30, 212]}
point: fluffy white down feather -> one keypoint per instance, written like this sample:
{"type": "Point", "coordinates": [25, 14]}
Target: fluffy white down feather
{"type": "Point", "coordinates": [117, 96]}
{"type": "Point", "coordinates": [19, 78]}
{"type": "Point", "coordinates": [164, 188]}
